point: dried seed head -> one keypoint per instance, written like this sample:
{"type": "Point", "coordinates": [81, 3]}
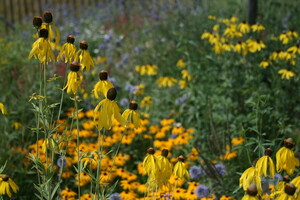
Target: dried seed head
{"type": "Point", "coordinates": [37, 21]}
{"type": "Point", "coordinates": [165, 152]}
{"type": "Point", "coordinates": [74, 66]}
{"type": "Point", "coordinates": [70, 39]}
{"type": "Point", "coordinates": [133, 105]}
{"type": "Point", "coordinates": [83, 45]}
{"type": "Point", "coordinates": [43, 33]}
{"type": "Point", "coordinates": [103, 75]}
{"type": "Point", "coordinates": [290, 189]}
{"type": "Point", "coordinates": [112, 94]}
{"type": "Point", "coordinates": [289, 143]}
{"type": "Point", "coordinates": [268, 152]}
{"type": "Point", "coordinates": [181, 159]}
{"type": "Point", "coordinates": [286, 179]}
{"type": "Point", "coordinates": [5, 177]}
{"type": "Point", "coordinates": [48, 17]}
{"type": "Point", "coordinates": [151, 151]}
{"type": "Point", "coordinates": [252, 190]}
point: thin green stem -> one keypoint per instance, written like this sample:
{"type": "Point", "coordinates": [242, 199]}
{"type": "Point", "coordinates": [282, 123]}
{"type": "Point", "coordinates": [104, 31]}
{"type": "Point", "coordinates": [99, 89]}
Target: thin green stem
{"type": "Point", "coordinates": [62, 96]}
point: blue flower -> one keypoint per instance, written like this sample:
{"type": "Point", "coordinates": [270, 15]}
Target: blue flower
{"type": "Point", "coordinates": [265, 186]}
{"type": "Point", "coordinates": [124, 102]}
{"type": "Point", "coordinates": [220, 169]}
{"type": "Point", "coordinates": [195, 172]}
{"type": "Point", "coordinates": [108, 38]}
{"type": "Point", "coordinates": [115, 196]}
{"type": "Point", "coordinates": [130, 88]}
{"type": "Point", "coordinates": [202, 191]}
{"type": "Point", "coordinates": [61, 162]}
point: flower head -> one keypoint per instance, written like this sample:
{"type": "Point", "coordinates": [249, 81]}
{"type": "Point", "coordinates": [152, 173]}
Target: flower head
{"type": "Point", "coordinates": [179, 169]}
{"type": "Point", "coordinates": [220, 169]}
{"type": "Point", "coordinates": [68, 50]}
{"type": "Point", "coordinates": [7, 184]}
{"type": "Point", "coordinates": [195, 172]}
{"type": "Point", "coordinates": [286, 74]}
{"type": "Point", "coordinates": [131, 115]}
{"type": "Point", "coordinates": [83, 56]}
{"type": "Point", "coordinates": [3, 109]}
{"type": "Point", "coordinates": [74, 79]}
{"type": "Point", "coordinates": [202, 191]}
{"type": "Point", "coordinates": [103, 85]}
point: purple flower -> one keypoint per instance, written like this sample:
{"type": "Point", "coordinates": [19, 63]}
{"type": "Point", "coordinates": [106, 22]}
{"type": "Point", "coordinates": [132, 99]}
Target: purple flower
{"type": "Point", "coordinates": [108, 38]}
{"type": "Point", "coordinates": [220, 169]}
{"type": "Point", "coordinates": [201, 191]}
{"type": "Point", "coordinates": [61, 162]}
{"type": "Point", "coordinates": [124, 102]}
{"type": "Point", "coordinates": [130, 88]}
{"type": "Point", "coordinates": [195, 172]}
{"type": "Point", "coordinates": [265, 186]}
{"type": "Point", "coordinates": [278, 177]}
{"type": "Point", "coordinates": [115, 196]}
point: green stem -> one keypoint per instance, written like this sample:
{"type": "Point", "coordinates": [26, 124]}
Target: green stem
{"type": "Point", "coordinates": [62, 96]}
{"type": "Point", "coordinates": [77, 133]}
{"type": "Point", "coordinates": [98, 163]}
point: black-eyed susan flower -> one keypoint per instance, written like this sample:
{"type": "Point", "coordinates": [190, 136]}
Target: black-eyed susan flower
{"type": "Point", "coordinates": [149, 70]}
{"type": "Point", "coordinates": [3, 109]}
{"type": "Point", "coordinates": [103, 85]}
{"type": "Point", "coordinates": [294, 49]}
{"type": "Point", "coordinates": [285, 157]}
{"type": "Point", "coordinates": [257, 27]}
{"type": "Point", "coordinates": [185, 75]}
{"type": "Point", "coordinates": [286, 74]}
{"type": "Point", "coordinates": [131, 115]}
{"type": "Point", "coordinates": [41, 48]}
{"type": "Point", "coordinates": [146, 102]}
{"type": "Point", "coordinates": [255, 45]}
{"type": "Point", "coordinates": [241, 47]}
{"type": "Point", "coordinates": [180, 63]}
{"type": "Point", "coordinates": [165, 81]}
{"type": "Point", "coordinates": [74, 79]}
{"type": "Point", "coordinates": [285, 38]}
{"type": "Point", "coordinates": [83, 56]}
{"type": "Point", "coordinates": [265, 165]}
{"type": "Point", "coordinates": [68, 50]}
{"type": "Point", "coordinates": [180, 170]}
{"type": "Point", "coordinates": [244, 27]}
{"type": "Point", "coordinates": [107, 110]}
{"type": "Point", "coordinates": [251, 193]}
{"type": "Point", "coordinates": [264, 64]}
{"type": "Point", "coordinates": [6, 185]}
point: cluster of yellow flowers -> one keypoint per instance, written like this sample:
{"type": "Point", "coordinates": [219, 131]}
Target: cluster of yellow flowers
{"type": "Point", "coordinates": [251, 179]}
{"type": "Point", "coordinates": [228, 35]}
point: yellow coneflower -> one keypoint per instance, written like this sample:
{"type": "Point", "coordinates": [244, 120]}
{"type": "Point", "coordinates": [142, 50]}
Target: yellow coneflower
{"type": "Point", "coordinates": [265, 163]}
{"type": "Point", "coordinates": [255, 45]}
{"type": "Point", "coordinates": [150, 163]}
{"type": "Point", "coordinates": [83, 56]}
{"type": "Point", "coordinates": [68, 50]}
{"type": "Point", "coordinates": [185, 75]}
{"type": "Point", "coordinates": [251, 193]}
{"type": "Point", "coordinates": [41, 48]}
{"type": "Point", "coordinates": [7, 184]}
{"type": "Point", "coordinates": [54, 35]}
{"type": "Point", "coordinates": [74, 79]}
{"type": "Point", "coordinates": [165, 81]}
{"type": "Point", "coordinates": [286, 74]}
{"type": "Point", "coordinates": [3, 109]}
{"type": "Point", "coordinates": [181, 63]}
{"type": "Point", "coordinates": [179, 169]}
{"type": "Point", "coordinates": [102, 86]}
{"type": "Point", "coordinates": [289, 192]}
{"type": "Point", "coordinates": [264, 64]}
{"type": "Point", "coordinates": [241, 47]}
{"type": "Point", "coordinates": [296, 182]}
{"type": "Point", "coordinates": [249, 176]}
{"type": "Point", "coordinates": [107, 110]}
{"type": "Point", "coordinates": [131, 115]}
{"type": "Point", "coordinates": [164, 169]}
{"type": "Point", "coordinates": [244, 27]}
{"type": "Point", "coordinates": [285, 157]}
{"type": "Point", "coordinates": [257, 27]}
{"type": "Point", "coordinates": [149, 70]}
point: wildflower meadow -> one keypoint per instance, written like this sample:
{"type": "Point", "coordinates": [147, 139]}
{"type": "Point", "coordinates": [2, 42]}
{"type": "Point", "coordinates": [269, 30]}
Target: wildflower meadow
{"type": "Point", "coordinates": [165, 99]}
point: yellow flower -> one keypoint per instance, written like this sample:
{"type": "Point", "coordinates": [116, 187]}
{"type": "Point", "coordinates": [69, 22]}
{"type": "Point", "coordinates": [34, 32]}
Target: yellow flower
{"type": "Point", "coordinates": [107, 110]}
{"type": "Point", "coordinates": [244, 27]}
{"type": "Point", "coordinates": [146, 102]}
{"type": "Point", "coordinates": [131, 115]}
{"type": "Point", "coordinates": [285, 158]}
{"type": "Point", "coordinates": [179, 169]}
{"type": "Point", "coordinates": [139, 89]}
{"type": "Point", "coordinates": [216, 27]}
{"type": "Point", "coordinates": [285, 38]}
{"type": "Point", "coordinates": [255, 45]}
{"type": "Point", "coordinates": [265, 163]}
{"type": "Point", "coordinates": [16, 125]}
{"type": "Point", "coordinates": [294, 49]}
{"type": "Point", "coordinates": [185, 75]}
{"type": "Point", "coordinates": [212, 17]}
{"type": "Point", "coordinates": [68, 50]}
{"type": "Point", "coordinates": [237, 141]}
{"type": "Point", "coordinates": [289, 192]}
{"type": "Point", "coordinates": [241, 47]}
{"type": "Point", "coordinates": [251, 193]}
{"type": "Point", "coordinates": [41, 48]}
{"type": "Point", "coordinates": [164, 168]}
{"type": "Point", "coordinates": [165, 81]}
{"type": "Point", "coordinates": [286, 74]}
{"type": "Point", "coordinates": [249, 176]}
{"type": "Point", "coordinates": [205, 35]}
{"type": "Point", "coordinates": [150, 163]}
{"type": "Point", "coordinates": [83, 56]}
{"type": "Point", "coordinates": [257, 27]}
{"type": "Point", "coordinates": [7, 184]}
{"type": "Point", "coordinates": [181, 63]}
{"type": "Point", "coordinates": [264, 64]}
{"type": "Point", "coordinates": [74, 79]}
{"type": "Point", "coordinates": [54, 35]}
{"type": "Point", "coordinates": [149, 70]}
{"type": "Point", "coordinates": [3, 109]}
{"type": "Point", "coordinates": [100, 60]}
{"type": "Point", "coordinates": [102, 86]}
